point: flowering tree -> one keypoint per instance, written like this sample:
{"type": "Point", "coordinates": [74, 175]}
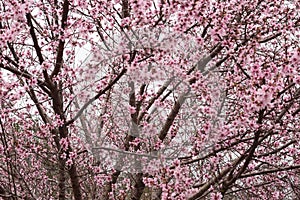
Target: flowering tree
{"type": "Point", "coordinates": [149, 99]}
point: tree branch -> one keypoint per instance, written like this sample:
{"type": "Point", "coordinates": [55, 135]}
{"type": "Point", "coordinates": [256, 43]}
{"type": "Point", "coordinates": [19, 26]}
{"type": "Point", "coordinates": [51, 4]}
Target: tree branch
{"type": "Point", "coordinates": [60, 50]}
{"type": "Point", "coordinates": [79, 113]}
{"type": "Point", "coordinates": [270, 171]}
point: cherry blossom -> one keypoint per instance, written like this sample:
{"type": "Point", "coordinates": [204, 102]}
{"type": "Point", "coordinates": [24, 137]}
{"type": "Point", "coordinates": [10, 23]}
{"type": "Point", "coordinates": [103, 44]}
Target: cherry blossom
{"type": "Point", "coordinates": [162, 99]}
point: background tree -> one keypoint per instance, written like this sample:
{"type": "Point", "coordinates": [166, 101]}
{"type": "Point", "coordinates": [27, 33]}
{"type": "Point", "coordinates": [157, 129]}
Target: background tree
{"type": "Point", "coordinates": [149, 99]}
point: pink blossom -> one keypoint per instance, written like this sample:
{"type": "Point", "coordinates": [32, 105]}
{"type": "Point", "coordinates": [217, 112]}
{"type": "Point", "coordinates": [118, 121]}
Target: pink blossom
{"type": "Point", "coordinates": [216, 196]}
